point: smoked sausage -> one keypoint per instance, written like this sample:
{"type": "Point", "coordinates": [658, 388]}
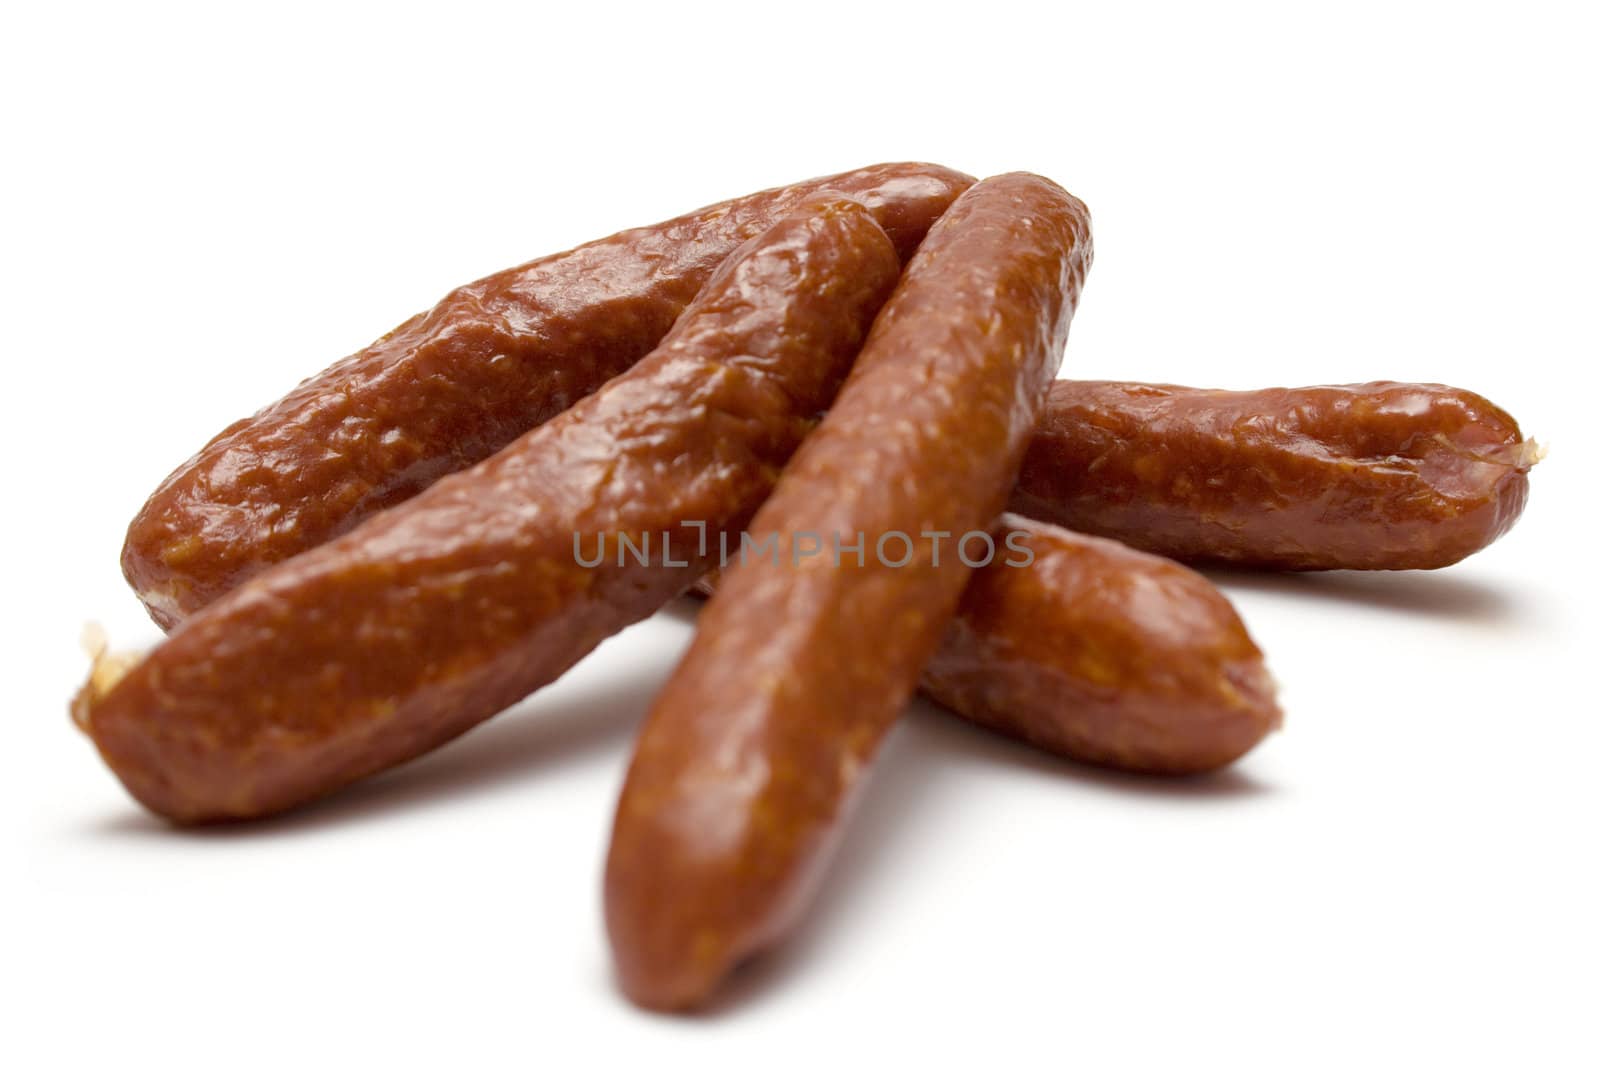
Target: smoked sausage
{"type": "Point", "coordinates": [748, 757]}
{"type": "Point", "coordinates": [452, 385]}
{"type": "Point", "coordinates": [1106, 655]}
{"type": "Point", "coordinates": [1100, 653]}
{"type": "Point", "coordinates": [425, 620]}
{"type": "Point", "coordinates": [1385, 475]}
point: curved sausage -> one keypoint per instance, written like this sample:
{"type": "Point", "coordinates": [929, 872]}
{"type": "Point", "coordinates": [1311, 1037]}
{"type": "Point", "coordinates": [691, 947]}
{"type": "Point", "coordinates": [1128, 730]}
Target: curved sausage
{"type": "Point", "coordinates": [451, 386]}
{"type": "Point", "coordinates": [746, 762]}
{"type": "Point", "coordinates": [431, 617]}
{"type": "Point", "coordinates": [1106, 655]}
{"type": "Point", "coordinates": [1385, 475]}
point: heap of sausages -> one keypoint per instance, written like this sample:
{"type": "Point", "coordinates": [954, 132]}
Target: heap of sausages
{"type": "Point", "coordinates": [395, 551]}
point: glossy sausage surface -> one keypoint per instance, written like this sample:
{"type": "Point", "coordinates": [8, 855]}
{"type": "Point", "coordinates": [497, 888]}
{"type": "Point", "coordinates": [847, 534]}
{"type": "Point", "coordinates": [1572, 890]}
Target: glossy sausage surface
{"type": "Point", "coordinates": [1105, 655]}
{"type": "Point", "coordinates": [747, 761]}
{"type": "Point", "coordinates": [452, 385]}
{"type": "Point", "coordinates": [431, 617]}
{"type": "Point", "coordinates": [1385, 475]}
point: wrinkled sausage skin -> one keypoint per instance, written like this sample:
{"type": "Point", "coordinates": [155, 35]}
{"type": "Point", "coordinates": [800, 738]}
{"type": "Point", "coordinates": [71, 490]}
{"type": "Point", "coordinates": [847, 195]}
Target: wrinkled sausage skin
{"type": "Point", "coordinates": [429, 618]}
{"type": "Point", "coordinates": [746, 762]}
{"type": "Point", "coordinates": [1106, 655]}
{"type": "Point", "coordinates": [452, 385]}
{"type": "Point", "coordinates": [1385, 475]}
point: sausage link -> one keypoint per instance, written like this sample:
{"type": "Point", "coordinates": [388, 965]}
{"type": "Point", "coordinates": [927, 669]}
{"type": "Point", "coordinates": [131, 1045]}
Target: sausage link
{"type": "Point", "coordinates": [746, 761]}
{"type": "Point", "coordinates": [385, 643]}
{"type": "Point", "coordinates": [1385, 475]}
{"type": "Point", "coordinates": [452, 385]}
{"type": "Point", "coordinates": [1103, 654]}
{"type": "Point", "coordinates": [1091, 650]}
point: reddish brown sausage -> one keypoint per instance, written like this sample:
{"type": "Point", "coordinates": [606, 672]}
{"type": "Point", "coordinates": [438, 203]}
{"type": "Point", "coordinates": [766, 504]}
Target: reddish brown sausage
{"type": "Point", "coordinates": [746, 761]}
{"type": "Point", "coordinates": [431, 617]}
{"type": "Point", "coordinates": [1103, 654]}
{"type": "Point", "coordinates": [1379, 476]}
{"type": "Point", "coordinates": [453, 385]}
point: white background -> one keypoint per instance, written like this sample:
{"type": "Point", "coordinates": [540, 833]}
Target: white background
{"type": "Point", "coordinates": [202, 206]}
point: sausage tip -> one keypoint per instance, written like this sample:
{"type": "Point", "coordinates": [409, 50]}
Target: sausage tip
{"type": "Point", "coordinates": [106, 668]}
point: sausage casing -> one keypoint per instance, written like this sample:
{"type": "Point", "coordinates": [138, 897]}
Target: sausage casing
{"type": "Point", "coordinates": [452, 385]}
{"type": "Point", "coordinates": [1385, 475]}
{"type": "Point", "coordinates": [1106, 655]}
{"type": "Point", "coordinates": [429, 618]}
{"type": "Point", "coordinates": [745, 764]}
